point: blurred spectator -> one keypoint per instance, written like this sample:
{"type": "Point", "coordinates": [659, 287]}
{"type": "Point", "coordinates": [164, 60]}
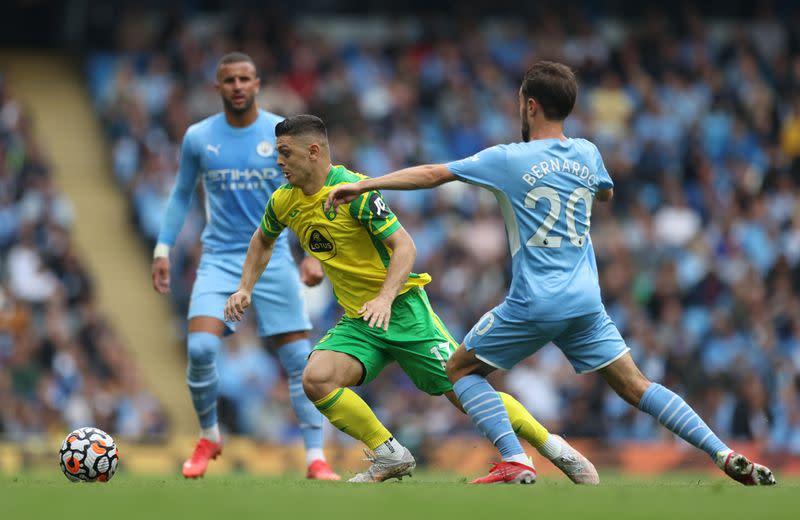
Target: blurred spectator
{"type": "Point", "coordinates": [699, 123]}
{"type": "Point", "coordinates": [61, 365]}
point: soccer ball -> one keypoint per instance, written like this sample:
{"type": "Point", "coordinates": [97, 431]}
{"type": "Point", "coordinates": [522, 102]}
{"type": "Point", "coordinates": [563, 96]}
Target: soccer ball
{"type": "Point", "coordinates": [88, 454]}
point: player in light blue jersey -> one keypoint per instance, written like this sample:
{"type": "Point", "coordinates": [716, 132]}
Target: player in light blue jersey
{"type": "Point", "coordinates": [546, 186]}
{"type": "Point", "coordinates": [233, 155]}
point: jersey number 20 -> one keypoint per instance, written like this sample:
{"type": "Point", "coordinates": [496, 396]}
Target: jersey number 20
{"type": "Point", "coordinates": [541, 237]}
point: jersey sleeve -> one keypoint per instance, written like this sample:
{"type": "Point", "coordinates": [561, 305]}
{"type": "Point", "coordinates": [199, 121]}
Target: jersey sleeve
{"type": "Point", "coordinates": [604, 181]}
{"type": "Point", "coordinates": [481, 168]}
{"type": "Point", "coordinates": [180, 199]}
{"type": "Point", "coordinates": [270, 225]}
{"type": "Point", "coordinates": [372, 212]}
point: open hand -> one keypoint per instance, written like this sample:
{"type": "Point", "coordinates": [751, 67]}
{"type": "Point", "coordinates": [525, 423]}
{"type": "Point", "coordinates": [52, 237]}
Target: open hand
{"type": "Point", "coordinates": [377, 312]}
{"type": "Point", "coordinates": [342, 194]}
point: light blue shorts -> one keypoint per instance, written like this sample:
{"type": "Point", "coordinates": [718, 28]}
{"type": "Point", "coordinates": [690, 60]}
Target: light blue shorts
{"type": "Point", "coordinates": [277, 298]}
{"type": "Point", "coordinates": [589, 342]}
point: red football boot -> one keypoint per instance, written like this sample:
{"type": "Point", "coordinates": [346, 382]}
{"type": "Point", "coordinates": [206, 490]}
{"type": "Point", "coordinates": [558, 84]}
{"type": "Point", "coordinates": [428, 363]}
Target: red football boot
{"type": "Point", "coordinates": [742, 470]}
{"type": "Point", "coordinates": [508, 473]}
{"type": "Point", "coordinates": [320, 470]}
{"type": "Point", "coordinates": [205, 450]}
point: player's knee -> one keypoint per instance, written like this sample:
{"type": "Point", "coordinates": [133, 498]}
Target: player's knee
{"type": "Point", "coordinates": [318, 381]}
{"type": "Point", "coordinates": [293, 357]}
{"type": "Point", "coordinates": [451, 368]}
{"type": "Point", "coordinates": [463, 363]}
{"type": "Point", "coordinates": [202, 348]}
{"type": "Point", "coordinates": [456, 369]}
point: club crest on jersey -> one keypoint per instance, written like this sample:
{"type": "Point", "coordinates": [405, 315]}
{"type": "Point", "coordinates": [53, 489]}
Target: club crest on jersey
{"type": "Point", "coordinates": [330, 214]}
{"type": "Point", "coordinates": [321, 244]}
{"type": "Point", "coordinates": [265, 149]}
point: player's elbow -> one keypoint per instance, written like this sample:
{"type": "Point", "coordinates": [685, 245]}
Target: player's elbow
{"type": "Point", "coordinates": [605, 195]}
{"type": "Point", "coordinates": [410, 246]}
{"type": "Point", "coordinates": [402, 244]}
{"type": "Point", "coordinates": [262, 240]}
{"type": "Point", "coordinates": [439, 174]}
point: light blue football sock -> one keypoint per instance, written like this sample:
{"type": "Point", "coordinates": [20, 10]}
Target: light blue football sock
{"type": "Point", "coordinates": [486, 409]}
{"type": "Point", "coordinates": [201, 375]}
{"type": "Point", "coordinates": [293, 357]}
{"type": "Point", "coordinates": [678, 417]}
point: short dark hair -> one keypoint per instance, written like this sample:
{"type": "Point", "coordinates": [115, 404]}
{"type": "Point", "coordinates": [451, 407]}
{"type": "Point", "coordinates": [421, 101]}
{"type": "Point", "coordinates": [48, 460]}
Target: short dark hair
{"type": "Point", "coordinates": [553, 86]}
{"type": "Point", "coordinates": [235, 57]}
{"type": "Point", "coordinates": [303, 124]}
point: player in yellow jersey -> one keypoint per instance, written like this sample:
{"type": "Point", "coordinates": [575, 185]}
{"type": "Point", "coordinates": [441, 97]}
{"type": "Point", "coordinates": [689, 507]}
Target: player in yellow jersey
{"type": "Point", "coordinates": [368, 257]}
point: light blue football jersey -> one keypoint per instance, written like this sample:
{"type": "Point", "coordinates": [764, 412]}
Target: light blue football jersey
{"type": "Point", "coordinates": [239, 171]}
{"type": "Point", "coordinates": [545, 189]}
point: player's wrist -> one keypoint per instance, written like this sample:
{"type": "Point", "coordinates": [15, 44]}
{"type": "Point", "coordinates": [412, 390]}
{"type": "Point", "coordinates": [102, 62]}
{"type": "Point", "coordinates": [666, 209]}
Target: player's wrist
{"type": "Point", "coordinates": [161, 251]}
{"type": "Point", "coordinates": [363, 185]}
{"type": "Point", "coordinates": [387, 295]}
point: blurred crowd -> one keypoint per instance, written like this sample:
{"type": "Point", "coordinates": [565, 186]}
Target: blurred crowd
{"type": "Point", "coordinates": [699, 124]}
{"type": "Point", "coordinates": [62, 366]}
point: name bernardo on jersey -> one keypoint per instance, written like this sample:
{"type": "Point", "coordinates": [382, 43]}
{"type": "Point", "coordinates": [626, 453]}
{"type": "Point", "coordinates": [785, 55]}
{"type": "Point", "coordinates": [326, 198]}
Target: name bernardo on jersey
{"type": "Point", "coordinates": [540, 169]}
{"type": "Point", "coordinates": [231, 179]}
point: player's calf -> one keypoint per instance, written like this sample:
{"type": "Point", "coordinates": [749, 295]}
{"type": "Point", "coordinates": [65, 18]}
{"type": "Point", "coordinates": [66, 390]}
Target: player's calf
{"type": "Point", "coordinates": [675, 414]}
{"type": "Point", "coordinates": [201, 378]}
{"type": "Point", "coordinates": [292, 356]}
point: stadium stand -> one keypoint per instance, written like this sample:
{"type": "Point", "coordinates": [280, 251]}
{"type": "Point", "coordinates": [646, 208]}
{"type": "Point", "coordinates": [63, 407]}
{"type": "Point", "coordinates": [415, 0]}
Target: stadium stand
{"type": "Point", "coordinates": [699, 122]}
{"type": "Point", "coordinates": [62, 364]}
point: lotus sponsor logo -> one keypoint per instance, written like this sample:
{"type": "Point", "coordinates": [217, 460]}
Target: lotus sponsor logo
{"type": "Point", "coordinates": [321, 244]}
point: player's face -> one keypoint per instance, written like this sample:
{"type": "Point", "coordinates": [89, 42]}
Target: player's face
{"type": "Point", "coordinates": [523, 116]}
{"type": "Point", "coordinates": [294, 159]}
{"type": "Point", "coordinates": [238, 85]}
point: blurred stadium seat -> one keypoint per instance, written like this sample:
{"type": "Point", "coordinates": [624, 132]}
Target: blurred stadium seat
{"type": "Point", "coordinates": [62, 365]}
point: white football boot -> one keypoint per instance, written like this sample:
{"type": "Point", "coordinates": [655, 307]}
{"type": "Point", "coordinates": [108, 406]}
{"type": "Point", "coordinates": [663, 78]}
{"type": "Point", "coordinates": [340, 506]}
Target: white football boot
{"type": "Point", "coordinates": [385, 468]}
{"type": "Point", "coordinates": [574, 465]}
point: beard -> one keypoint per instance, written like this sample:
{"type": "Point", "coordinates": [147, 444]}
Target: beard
{"type": "Point", "coordinates": [230, 107]}
{"type": "Point", "coordinates": [526, 131]}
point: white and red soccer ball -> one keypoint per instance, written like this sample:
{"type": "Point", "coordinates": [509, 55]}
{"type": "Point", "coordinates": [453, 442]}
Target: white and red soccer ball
{"type": "Point", "coordinates": [88, 455]}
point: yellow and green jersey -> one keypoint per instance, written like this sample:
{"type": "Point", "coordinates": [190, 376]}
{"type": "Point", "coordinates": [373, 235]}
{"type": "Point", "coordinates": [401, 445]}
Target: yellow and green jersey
{"type": "Point", "coordinates": [348, 242]}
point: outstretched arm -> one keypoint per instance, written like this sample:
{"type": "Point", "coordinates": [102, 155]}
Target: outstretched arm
{"type": "Point", "coordinates": [413, 178]}
{"type": "Point", "coordinates": [180, 201]}
{"type": "Point", "coordinates": [258, 254]}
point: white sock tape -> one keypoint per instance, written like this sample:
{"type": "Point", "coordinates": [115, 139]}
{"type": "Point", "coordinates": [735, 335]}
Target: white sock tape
{"type": "Point", "coordinates": [161, 250]}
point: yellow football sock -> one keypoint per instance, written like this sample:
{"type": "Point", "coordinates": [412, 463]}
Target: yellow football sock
{"type": "Point", "coordinates": [348, 412]}
{"type": "Point", "coordinates": [523, 422]}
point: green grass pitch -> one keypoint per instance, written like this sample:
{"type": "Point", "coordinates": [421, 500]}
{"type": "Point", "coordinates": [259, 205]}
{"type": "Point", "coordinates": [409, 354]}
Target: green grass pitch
{"type": "Point", "coordinates": [426, 495]}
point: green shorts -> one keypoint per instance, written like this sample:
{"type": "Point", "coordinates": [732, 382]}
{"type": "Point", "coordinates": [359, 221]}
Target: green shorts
{"type": "Point", "coordinates": [417, 339]}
